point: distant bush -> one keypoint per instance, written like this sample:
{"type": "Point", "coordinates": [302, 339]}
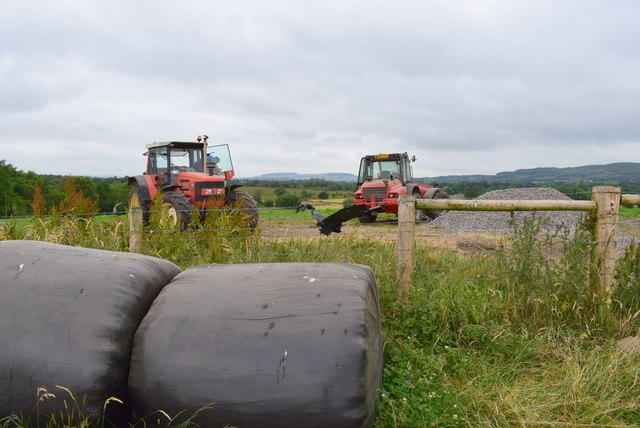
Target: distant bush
{"type": "Point", "coordinates": [288, 200]}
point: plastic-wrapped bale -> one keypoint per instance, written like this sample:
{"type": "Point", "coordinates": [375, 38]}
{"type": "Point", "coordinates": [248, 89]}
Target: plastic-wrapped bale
{"type": "Point", "coordinates": [266, 345]}
{"type": "Point", "coordinates": [68, 318]}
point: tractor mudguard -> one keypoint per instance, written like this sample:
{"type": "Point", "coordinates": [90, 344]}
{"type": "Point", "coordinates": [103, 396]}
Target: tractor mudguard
{"type": "Point", "coordinates": [142, 185]}
{"type": "Point", "coordinates": [411, 189]}
{"type": "Point", "coordinates": [229, 191]}
{"type": "Point", "coordinates": [430, 193]}
{"type": "Point", "coordinates": [170, 187]}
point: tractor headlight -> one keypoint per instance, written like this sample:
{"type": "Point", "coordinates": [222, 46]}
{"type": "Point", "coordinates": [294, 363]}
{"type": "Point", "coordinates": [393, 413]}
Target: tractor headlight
{"type": "Point", "coordinates": [393, 195]}
{"type": "Point", "coordinates": [358, 196]}
{"type": "Point", "coordinates": [211, 192]}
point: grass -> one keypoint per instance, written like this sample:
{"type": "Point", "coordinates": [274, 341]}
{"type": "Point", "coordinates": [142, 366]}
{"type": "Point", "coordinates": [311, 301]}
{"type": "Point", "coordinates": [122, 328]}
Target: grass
{"type": "Point", "coordinates": [504, 338]}
{"type": "Point", "coordinates": [74, 417]}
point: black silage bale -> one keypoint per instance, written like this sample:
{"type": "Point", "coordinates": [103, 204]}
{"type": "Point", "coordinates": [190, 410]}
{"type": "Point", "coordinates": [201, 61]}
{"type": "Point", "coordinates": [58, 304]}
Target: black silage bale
{"type": "Point", "coordinates": [68, 316]}
{"type": "Point", "coordinates": [277, 345]}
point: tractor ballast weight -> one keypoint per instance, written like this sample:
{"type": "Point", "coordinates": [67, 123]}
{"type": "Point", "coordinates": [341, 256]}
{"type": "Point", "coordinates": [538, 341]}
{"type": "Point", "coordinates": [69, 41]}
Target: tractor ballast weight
{"type": "Point", "coordinates": [189, 175]}
{"type": "Point", "coordinates": [383, 178]}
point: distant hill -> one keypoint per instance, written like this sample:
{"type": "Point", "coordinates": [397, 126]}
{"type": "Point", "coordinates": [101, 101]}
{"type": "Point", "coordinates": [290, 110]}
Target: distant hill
{"type": "Point", "coordinates": [611, 174]}
{"type": "Point", "coordinates": [285, 176]}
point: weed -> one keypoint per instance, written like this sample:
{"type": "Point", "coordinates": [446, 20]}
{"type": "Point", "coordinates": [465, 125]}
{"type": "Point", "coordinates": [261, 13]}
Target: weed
{"type": "Point", "coordinates": [71, 414]}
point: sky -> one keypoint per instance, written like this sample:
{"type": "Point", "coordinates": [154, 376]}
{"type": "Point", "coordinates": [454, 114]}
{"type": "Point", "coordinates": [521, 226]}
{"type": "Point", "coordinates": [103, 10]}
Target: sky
{"type": "Point", "coordinates": [467, 86]}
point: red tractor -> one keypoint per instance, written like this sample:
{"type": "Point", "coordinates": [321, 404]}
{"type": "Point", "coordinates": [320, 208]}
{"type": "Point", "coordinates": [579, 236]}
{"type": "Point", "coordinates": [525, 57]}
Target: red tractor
{"type": "Point", "coordinates": [189, 175]}
{"type": "Point", "coordinates": [385, 177]}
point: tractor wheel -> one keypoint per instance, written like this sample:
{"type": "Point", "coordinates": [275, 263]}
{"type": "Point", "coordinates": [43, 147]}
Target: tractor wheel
{"type": "Point", "coordinates": [420, 214]}
{"type": "Point", "coordinates": [137, 200]}
{"type": "Point", "coordinates": [176, 210]}
{"type": "Point", "coordinates": [433, 214]}
{"type": "Point", "coordinates": [246, 205]}
{"type": "Point", "coordinates": [368, 218]}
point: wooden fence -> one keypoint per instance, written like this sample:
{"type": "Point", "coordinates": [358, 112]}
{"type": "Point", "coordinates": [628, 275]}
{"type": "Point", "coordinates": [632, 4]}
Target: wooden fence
{"type": "Point", "coordinates": [604, 207]}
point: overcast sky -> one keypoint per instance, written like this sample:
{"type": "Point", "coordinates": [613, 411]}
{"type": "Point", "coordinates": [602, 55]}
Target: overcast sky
{"type": "Point", "coordinates": [468, 86]}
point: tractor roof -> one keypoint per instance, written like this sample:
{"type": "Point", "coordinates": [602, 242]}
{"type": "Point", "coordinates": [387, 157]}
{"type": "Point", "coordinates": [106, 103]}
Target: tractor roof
{"type": "Point", "coordinates": [386, 156]}
{"type": "Point", "coordinates": [183, 144]}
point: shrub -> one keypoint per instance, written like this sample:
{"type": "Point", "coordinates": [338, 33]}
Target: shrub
{"type": "Point", "coordinates": [288, 200]}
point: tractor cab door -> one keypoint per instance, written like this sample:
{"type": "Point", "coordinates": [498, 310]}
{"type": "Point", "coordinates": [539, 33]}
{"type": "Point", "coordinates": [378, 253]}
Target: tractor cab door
{"type": "Point", "coordinates": [158, 164]}
{"type": "Point", "coordinates": [366, 171]}
{"type": "Point", "coordinates": [219, 161]}
{"type": "Point", "coordinates": [407, 170]}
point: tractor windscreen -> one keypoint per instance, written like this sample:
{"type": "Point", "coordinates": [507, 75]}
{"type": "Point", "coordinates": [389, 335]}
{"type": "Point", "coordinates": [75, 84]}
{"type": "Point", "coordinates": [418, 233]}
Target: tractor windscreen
{"type": "Point", "coordinates": [174, 160]}
{"type": "Point", "coordinates": [378, 169]}
{"type": "Point", "coordinates": [185, 159]}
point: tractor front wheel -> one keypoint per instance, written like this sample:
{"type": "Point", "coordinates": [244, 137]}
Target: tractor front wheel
{"type": "Point", "coordinates": [137, 200]}
{"type": "Point", "coordinates": [175, 210]}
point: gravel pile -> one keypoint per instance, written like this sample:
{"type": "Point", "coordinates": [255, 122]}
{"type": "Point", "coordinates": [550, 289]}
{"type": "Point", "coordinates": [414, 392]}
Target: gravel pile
{"type": "Point", "coordinates": [498, 221]}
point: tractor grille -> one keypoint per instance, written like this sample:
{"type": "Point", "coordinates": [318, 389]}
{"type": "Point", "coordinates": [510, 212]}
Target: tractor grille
{"type": "Point", "coordinates": [206, 185]}
{"type": "Point", "coordinates": [378, 193]}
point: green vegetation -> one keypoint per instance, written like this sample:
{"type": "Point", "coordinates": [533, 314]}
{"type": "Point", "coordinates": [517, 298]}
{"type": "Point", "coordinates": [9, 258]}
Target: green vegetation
{"type": "Point", "coordinates": [29, 193]}
{"type": "Point", "coordinates": [73, 416]}
{"type": "Point", "coordinates": [513, 337]}
{"type": "Point", "coordinates": [567, 180]}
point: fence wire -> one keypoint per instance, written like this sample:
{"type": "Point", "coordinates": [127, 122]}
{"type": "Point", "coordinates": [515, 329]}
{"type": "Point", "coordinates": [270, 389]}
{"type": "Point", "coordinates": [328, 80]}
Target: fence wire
{"type": "Point", "coordinates": [283, 235]}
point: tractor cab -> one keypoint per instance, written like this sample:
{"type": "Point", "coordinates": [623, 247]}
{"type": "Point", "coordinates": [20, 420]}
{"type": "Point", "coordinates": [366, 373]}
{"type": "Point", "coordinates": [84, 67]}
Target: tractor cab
{"type": "Point", "coordinates": [167, 160]}
{"type": "Point", "coordinates": [394, 166]}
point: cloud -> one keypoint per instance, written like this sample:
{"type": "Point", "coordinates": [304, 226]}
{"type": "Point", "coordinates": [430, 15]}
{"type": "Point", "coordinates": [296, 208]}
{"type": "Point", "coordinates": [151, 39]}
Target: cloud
{"type": "Point", "coordinates": [470, 87]}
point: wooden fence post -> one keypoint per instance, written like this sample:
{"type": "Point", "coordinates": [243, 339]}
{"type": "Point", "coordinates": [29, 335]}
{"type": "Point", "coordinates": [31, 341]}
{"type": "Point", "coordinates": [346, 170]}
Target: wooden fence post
{"type": "Point", "coordinates": [607, 199]}
{"type": "Point", "coordinates": [135, 229]}
{"type": "Point", "coordinates": [405, 245]}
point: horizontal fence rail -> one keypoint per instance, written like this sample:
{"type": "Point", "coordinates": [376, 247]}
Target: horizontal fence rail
{"type": "Point", "coordinates": [489, 205]}
{"type": "Point", "coordinates": [630, 199]}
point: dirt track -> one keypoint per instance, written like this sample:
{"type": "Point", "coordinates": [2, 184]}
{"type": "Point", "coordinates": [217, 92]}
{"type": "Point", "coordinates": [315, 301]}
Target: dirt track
{"type": "Point", "coordinates": [386, 230]}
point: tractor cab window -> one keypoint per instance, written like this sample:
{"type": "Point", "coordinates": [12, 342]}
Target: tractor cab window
{"type": "Point", "coordinates": [183, 160]}
{"type": "Point", "coordinates": [388, 170]}
{"type": "Point", "coordinates": [376, 170]}
{"type": "Point", "coordinates": [158, 161]}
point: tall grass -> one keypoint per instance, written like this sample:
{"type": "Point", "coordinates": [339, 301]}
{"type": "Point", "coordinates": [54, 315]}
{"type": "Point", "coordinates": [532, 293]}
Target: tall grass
{"type": "Point", "coordinates": [73, 415]}
{"type": "Point", "coordinates": [506, 338]}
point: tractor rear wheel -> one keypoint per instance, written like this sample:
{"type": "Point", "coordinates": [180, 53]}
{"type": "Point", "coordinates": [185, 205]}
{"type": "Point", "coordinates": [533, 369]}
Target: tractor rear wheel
{"type": "Point", "coordinates": [433, 214]}
{"type": "Point", "coordinates": [246, 205]}
{"type": "Point", "coordinates": [137, 200]}
{"type": "Point", "coordinates": [175, 210]}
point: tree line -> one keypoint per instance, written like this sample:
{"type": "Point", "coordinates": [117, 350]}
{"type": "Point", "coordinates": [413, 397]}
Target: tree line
{"type": "Point", "coordinates": [311, 183]}
{"type": "Point", "coordinates": [26, 193]}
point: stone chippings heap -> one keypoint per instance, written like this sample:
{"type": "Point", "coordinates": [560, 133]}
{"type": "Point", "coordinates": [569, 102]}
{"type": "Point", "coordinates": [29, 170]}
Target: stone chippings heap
{"type": "Point", "coordinates": [498, 221]}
